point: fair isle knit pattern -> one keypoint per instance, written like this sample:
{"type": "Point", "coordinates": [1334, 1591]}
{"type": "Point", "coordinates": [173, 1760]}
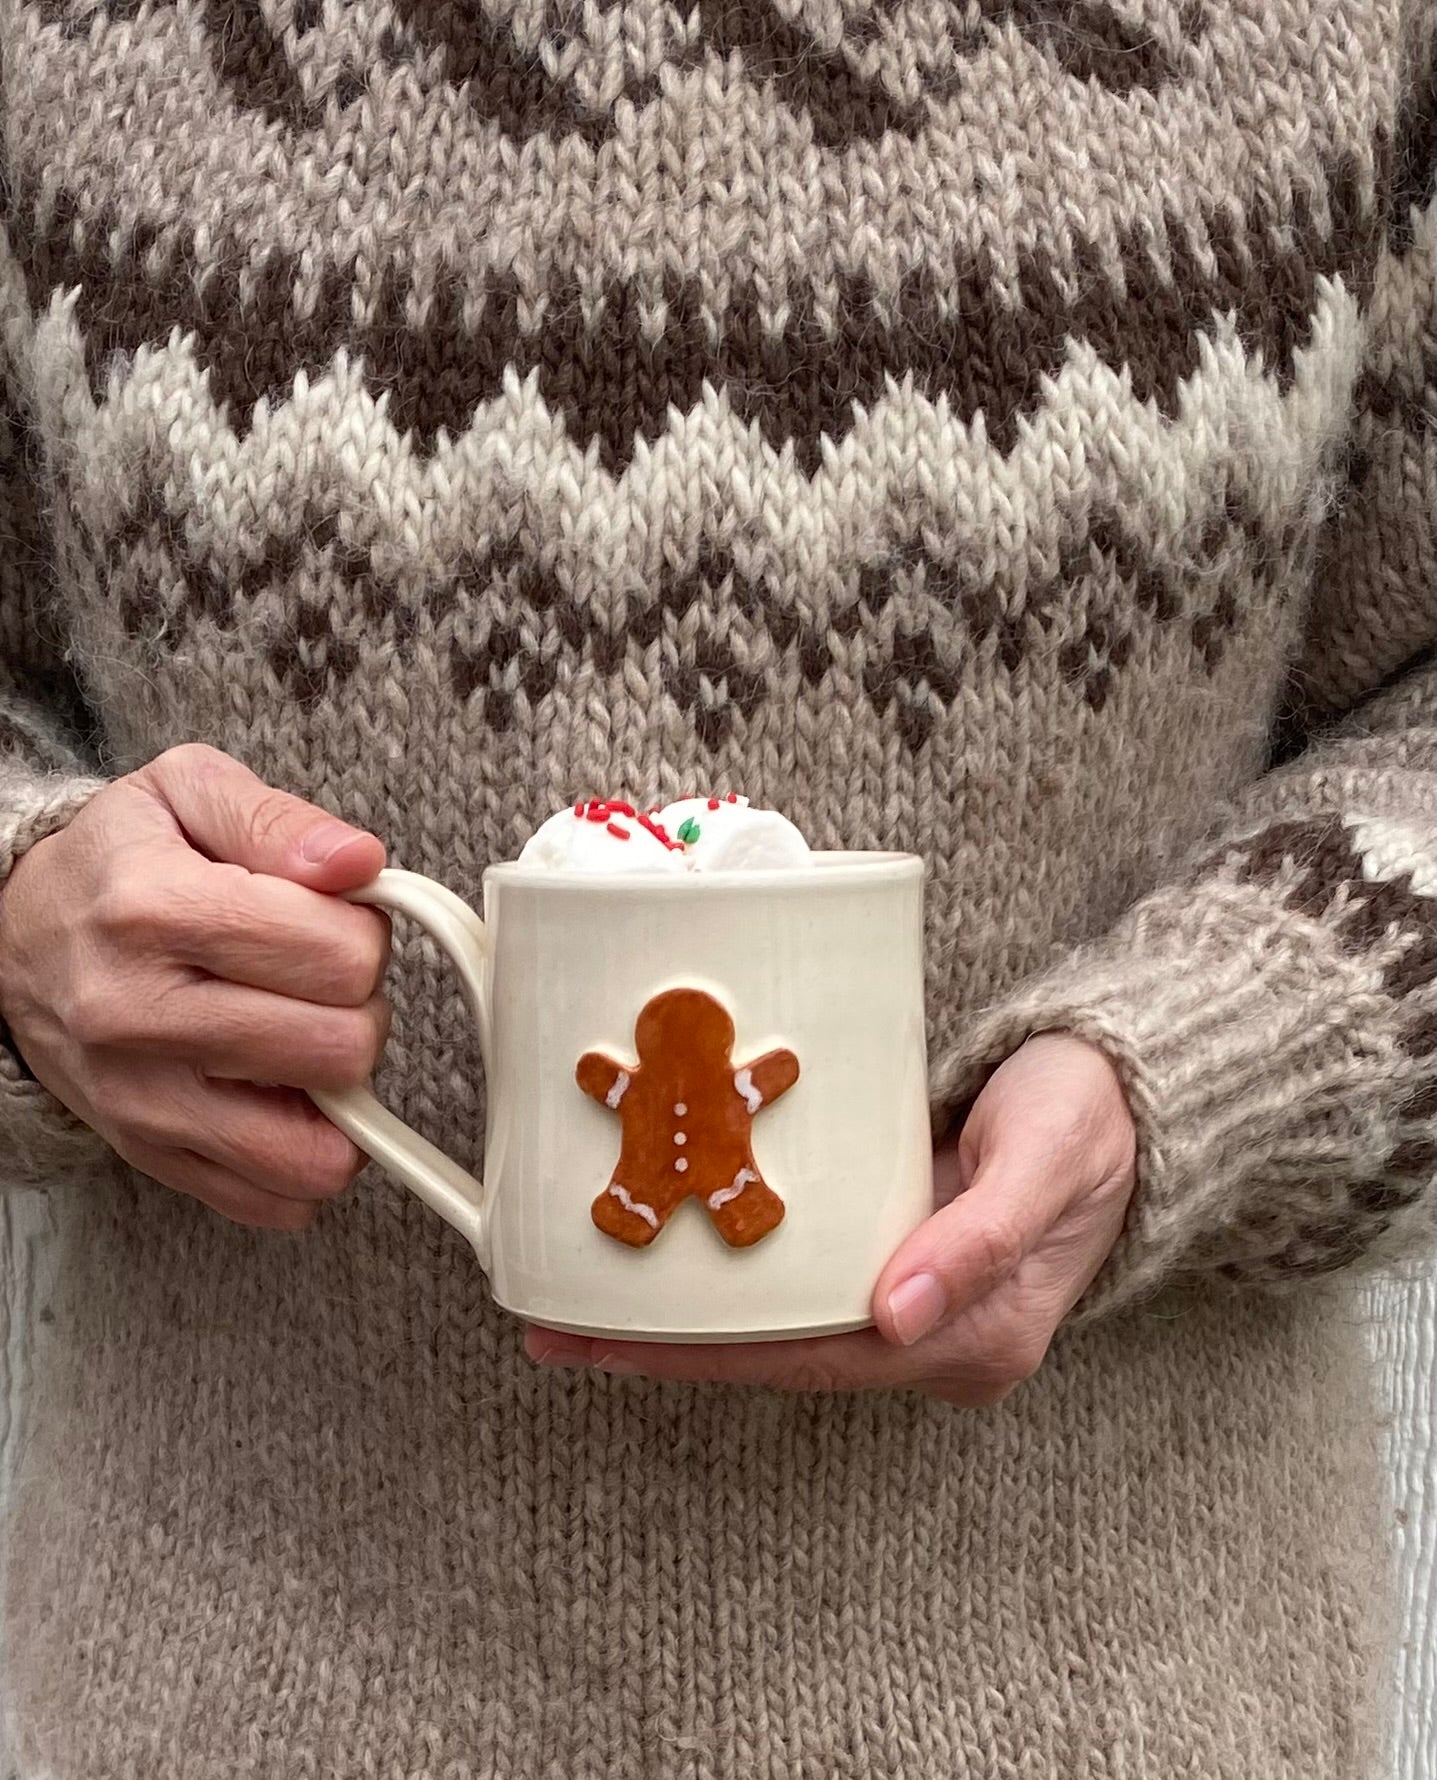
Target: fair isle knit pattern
{"type": "Point", "coordinates": [997, 428]}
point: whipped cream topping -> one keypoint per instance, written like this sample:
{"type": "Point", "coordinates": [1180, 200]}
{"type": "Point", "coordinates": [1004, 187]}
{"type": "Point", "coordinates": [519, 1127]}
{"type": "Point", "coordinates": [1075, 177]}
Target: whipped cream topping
{"type": "Point", "coordinates": [695, 834]}
{"type": "Point", "coordinates": [601, 836]}
{"type": "Point", "coordinates": [728, 834]}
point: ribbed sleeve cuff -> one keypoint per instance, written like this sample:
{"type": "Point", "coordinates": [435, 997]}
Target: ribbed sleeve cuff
{"type": "Point", "coordinates": [42, 1143]}
{"type": "Point", "coordinates": [1266, 1069]}
{"type": "Point", "coordinates": [33, 808]}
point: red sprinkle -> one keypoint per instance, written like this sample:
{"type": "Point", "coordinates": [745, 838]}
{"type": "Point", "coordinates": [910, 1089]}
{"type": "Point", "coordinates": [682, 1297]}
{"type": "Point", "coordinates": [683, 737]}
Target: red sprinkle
{"type": "Point", "coordinates": [713, 803]}
{"type": "Point", "coordinates": [622, 809]}
{"type": "Point", "coordinates": [659, 833]}
{"type": "Point", "coordinates": [597, 812]}
{"type": "Point", "coordinates": [619, 834]}
{"type": "Point", "coordinates": [732, 797]}
{"type": "Point", "coordinates": [578, 809]}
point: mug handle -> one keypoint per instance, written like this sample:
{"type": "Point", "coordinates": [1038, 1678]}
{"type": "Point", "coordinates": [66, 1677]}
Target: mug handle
{"type": "Point", "coordinates": [458, 1197]}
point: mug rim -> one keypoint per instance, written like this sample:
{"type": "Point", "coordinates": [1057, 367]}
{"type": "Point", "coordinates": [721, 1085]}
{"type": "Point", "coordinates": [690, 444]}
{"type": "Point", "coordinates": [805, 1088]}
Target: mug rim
{"type": "Point", "coordinates": [835, 868]}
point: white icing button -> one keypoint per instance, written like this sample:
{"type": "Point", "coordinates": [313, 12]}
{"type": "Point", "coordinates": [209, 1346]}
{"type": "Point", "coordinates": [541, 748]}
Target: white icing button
{"type": "Point", "coordinates": [680, 1110]}
{"type": "Point", "coordinates": [679, 1137]}
{"type": "Point", "coordinates": [681, 1164]}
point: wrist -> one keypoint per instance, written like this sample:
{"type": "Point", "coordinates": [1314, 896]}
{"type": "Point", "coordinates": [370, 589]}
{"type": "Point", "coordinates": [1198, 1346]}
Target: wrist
{"type": "Point", "coordinates": [12, 887]}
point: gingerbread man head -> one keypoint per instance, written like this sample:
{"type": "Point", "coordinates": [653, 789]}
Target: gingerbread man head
{"type": "Point", "coordinates": [687, 1024]}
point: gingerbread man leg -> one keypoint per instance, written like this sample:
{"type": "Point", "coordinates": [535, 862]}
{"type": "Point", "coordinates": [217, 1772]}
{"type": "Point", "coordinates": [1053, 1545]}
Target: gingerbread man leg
{"type": "Point", "coordinates": [745, 1212]}
{"type": "Point", "coordinates": [619, 1213]}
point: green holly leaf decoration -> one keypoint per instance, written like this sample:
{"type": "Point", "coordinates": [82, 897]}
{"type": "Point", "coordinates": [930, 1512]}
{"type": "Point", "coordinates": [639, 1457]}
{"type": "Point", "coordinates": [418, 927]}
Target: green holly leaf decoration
{"type": "Point", "coordinates": [688, 831]}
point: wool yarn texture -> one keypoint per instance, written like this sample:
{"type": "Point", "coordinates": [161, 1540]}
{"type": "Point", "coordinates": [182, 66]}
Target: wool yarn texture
{"type": "Point", "coordinates": [999, 429]}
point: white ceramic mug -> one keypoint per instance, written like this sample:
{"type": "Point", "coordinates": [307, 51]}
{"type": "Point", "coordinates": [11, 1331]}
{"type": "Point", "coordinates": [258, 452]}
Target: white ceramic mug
{"type": "Point", "coordinates": [820, 973]}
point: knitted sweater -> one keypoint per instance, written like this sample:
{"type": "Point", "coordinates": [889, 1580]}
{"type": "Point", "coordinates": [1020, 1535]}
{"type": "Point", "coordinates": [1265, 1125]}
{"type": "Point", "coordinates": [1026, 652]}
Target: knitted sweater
{"type": "Point", "coordinates": [995, 428]}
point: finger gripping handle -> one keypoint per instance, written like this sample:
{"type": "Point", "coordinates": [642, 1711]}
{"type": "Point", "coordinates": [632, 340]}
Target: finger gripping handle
{"type": "Point", "coordinates": [458, 1196]}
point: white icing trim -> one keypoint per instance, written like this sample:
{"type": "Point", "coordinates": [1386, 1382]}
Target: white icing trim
{"type": "Point", "coordinates": [637, 1206]}
{"type": "Point", "coordinates": [619, 1089]}
{"type": "Point", "coordinates": [682, 1165]}
{"type": "Point", "coordinates": [681, 1137]}
{"type": "Point", "coordinates": [680, 1110]}
{"type": "Point", "coordinates": [745, 1177]}
{"type": "Point", "coordinates": [743, 1081]}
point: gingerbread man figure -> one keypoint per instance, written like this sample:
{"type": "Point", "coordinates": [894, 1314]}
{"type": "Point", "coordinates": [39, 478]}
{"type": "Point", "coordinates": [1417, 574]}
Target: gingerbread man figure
{"type": "Point", "coordinates": [686, 1114]}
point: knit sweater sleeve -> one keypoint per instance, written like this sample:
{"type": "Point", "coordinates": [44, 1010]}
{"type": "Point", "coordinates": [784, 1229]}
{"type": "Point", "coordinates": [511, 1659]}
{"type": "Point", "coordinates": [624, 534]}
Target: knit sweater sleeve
{"type": "Point", "coordinates": [1271, 1009]}
{"type": "Point", "coordinates": [46, 775]}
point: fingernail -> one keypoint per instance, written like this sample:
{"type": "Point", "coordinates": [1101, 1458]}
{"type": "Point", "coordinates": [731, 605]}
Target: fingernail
{"type": "Point", "coordinates": [616, 1364]}
{"type": "Point", "coordinates": [558, 1350]}
{"type": "Point", "coordinates": [324, 840]}
{"type": "Point", "coordinates": [915, 1306]}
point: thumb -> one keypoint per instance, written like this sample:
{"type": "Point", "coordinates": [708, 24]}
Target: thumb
{"type": "Point", "coordinates": [971, 1246]}
{"type": "Point", "coordinates": [236, 819]}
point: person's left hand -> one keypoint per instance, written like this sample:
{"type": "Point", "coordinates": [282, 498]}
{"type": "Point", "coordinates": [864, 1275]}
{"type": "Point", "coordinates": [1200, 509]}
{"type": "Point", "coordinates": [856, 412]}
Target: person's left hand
{"type": "Point", "coordinates": [1031, 1197]}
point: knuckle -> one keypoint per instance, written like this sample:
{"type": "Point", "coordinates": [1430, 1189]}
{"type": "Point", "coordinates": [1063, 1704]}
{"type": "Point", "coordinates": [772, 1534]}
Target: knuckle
{"type": "Point", "coordinates": [227, 885]}
{"type": "Point", "coordinates": [97, 1017]}
{"type": "Point", "coordinates": [125, 910]}
{"type": "Point", "coordinates": [199, 754]}
{"type": "Point", "coordinates": [191, 760]}
{"type": "Point", "coordinates": [341, 978]}
{"type": "Point", "coordinates": [353, 1047]}
{"type": "Point", "coordinates": [269, 814]}
{"type": "Point", "coordinates": [333, 1163]}
{"type": "Point", "coordinates": [358, 958]}
{"type": "Point", "coordinates": [379, 1015]}
{"type": "Point", "coordinates": [216, 914]}
{"type": "Point", "coordinates": [376, 947]}
{"type": "Point", "coordinates": [147, 1120]}
{"type": "Point", "coordinates": [1000, 1248]}
{"type": "Point", "coordinates": [220, 916]}
{"type": "Point", "coordinates": [175, 919]}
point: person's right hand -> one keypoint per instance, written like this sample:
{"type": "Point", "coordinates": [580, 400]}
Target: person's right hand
{"type": "Point", "coordinates": [175, 967]}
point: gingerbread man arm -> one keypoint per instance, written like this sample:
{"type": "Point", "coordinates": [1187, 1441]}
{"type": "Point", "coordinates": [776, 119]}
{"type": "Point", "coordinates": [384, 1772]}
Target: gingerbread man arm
{"type": "Point", "coordinates": [603, 1079]}
{"type": "Point", "coordinates": [762, 1081]}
